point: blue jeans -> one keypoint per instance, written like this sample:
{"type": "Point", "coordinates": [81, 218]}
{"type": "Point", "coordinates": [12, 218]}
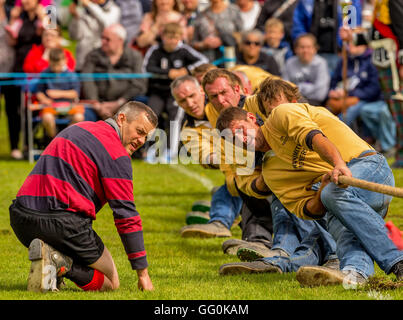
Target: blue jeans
{"type": "Point", "coordinates": [379, 121]}
{"type": "Point", "coordinates": [352, 113]}
{"type": "Point", "coordinates": [306, 241]}
{"type": "Point", "coordinates": [224, 207]}
{"type": "Point", "coordinates": [356, 219]}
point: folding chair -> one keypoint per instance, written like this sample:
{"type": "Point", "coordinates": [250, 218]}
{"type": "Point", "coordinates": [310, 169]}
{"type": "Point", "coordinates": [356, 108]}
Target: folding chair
{"type": "Point", "coordinates": [33, 125]}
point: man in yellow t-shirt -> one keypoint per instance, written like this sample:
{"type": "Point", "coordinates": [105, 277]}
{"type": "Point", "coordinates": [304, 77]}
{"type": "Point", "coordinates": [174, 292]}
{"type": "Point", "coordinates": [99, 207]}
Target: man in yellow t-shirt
{"type": "Point", "coordinates": [223, 91]}
{"type": "Point", "coordinates": [309, 145]}
{"type": "Point", "coordinates": [196, 136]}
{"type": "Point", "coordinates": [306, 242]}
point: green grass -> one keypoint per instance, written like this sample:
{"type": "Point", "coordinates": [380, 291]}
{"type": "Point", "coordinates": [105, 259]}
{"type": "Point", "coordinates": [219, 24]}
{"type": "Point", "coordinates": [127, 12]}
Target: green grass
{"type": "Point", "coordinates": [179, 268]}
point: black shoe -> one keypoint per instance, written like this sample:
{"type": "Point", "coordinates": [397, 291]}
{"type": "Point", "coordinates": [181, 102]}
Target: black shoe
{"type": "Point", "coordinates": [397, 269]}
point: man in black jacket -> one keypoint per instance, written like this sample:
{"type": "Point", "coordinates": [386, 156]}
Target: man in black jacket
{"type": "Point", "coordinates": [113, 57]}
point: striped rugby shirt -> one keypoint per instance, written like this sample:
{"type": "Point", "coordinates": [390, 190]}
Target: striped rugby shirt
{"type": "Point", "coordinates": [83, 168]}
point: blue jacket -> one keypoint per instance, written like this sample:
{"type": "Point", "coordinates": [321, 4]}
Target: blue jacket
{"type": "Point", "coordinates": [362, 75]}
{"type": "Point", "coordinates": [283, 44]}
{"type": "Point", "coordinates": [302, 19]}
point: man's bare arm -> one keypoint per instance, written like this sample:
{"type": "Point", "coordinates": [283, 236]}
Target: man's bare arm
{"type": "Point", "coordinates": [329, 153]}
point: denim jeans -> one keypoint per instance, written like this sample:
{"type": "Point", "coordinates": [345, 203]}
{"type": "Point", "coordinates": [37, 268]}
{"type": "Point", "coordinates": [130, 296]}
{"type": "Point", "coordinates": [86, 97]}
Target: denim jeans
{"type": "Point", "coordinates": [306, 241]}
{"type": "Point", "coordinates": [224, 207]}
{"type": "Point", "coordinates": [352, 113]}
{"type": "Point", "coordinates": [378, 119]}
{"type": "Point", "coordinates": [356, 219]}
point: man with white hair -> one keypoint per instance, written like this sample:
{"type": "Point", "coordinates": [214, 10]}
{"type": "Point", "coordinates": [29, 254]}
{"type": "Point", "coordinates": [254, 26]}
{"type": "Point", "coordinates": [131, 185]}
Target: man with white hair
{"type": "Point", "coordinates": [113, 57]}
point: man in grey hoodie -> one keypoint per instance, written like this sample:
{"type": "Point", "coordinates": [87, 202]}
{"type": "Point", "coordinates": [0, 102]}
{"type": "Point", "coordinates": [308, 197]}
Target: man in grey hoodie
{"type": "Point", "coordinates": [308, 70]}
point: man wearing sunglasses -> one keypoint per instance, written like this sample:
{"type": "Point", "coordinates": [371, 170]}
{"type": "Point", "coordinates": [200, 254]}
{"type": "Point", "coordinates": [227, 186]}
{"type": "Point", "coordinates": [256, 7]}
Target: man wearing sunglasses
{"type": "Point", "coordinates": [250, 52]}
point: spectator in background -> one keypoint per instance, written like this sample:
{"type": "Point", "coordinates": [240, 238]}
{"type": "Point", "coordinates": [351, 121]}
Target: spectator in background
{"type": "Point", "coordinates": [51, 93]}
{"type": "Point", "coordinates": [146, 5]}
{"type": "Point", "coordinates": [275, 44]}
{"type": "Point", "coordinates": [6, 50]}
{"type": "Point", "coordinates": [170, 59]}
{"type": "Point", "coordinates": [250, 52]}
{"type": "Point", "coordinates": [308, 70]}
{"type": "Point", "coordinates": [201, 70]}
{"type": "Point", "coordinates": [113, 57]}
{"type": "Point", "coordinates": [162, 12]}
{"type": "Point", "coordinates": [37, 58]}
{"type": "Point", "coordinates": [322, 18]}
{"type": "Point", "coordinates": [191, 12]}
{"type": "Point", "coordinates": [28, 35]}
{"type": "Point", "coordinates": [131, 16]}
{"type": "Point", "coordinates": [15, 21]}
{"type": "Point", "coordinates": [87, 24]}
{"type": "Point", "coordinates": [250, 10]}
{"type": "Point", "coordinates": [280, 9]}
{"type": "Point", "coordinates": [219, 25]}
{"type": "Point", "coordinates": [364, 98]}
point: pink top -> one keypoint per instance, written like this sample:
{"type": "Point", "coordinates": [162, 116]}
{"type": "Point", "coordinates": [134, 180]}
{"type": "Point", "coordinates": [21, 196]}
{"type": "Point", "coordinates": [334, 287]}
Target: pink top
{"type": "Point", "coordinates": [44, 3]}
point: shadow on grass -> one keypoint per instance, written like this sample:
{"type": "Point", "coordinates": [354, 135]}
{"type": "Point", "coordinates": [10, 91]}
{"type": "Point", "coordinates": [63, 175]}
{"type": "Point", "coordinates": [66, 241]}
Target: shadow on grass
{"type": "Point", "coordinates": [175, 194]}
{"type": "Point", "coordinates": [13, 287]}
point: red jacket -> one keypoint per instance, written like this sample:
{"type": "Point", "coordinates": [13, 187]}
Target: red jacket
{"type": "Point", "coordinates": [34, 63]}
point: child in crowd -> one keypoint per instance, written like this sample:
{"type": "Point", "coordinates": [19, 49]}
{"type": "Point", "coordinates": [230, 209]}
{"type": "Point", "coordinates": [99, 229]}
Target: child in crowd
{"type": "Point", "coordinates": [275, 44]}
{"type": "Point", "coordinates": [58, 96]}
{"type": "Point", "coordinates": [308, 70]}
{"type": "Point", "coordinates": [364, 98]}
{"type": "Point", "coordinates": [169, 60]}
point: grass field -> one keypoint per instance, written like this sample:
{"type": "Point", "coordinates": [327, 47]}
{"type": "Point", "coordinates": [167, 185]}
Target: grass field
{"type": "Point", "coordinates": [181, 269]}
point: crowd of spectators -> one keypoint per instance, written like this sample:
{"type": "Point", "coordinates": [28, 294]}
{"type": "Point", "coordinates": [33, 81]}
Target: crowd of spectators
{"type": "Point", "coordinates": [298, 40]}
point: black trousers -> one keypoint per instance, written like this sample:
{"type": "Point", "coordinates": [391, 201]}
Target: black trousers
{"type": "Point", "coordinates": [12, 98]}
{"type": "Point", "coordinates": [68, 232]}
{"type": "Point", "coordinates": [257, 222]}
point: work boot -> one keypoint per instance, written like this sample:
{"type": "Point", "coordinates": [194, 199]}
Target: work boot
{"type": "Point", "coordinates": [209, 230]}
{"type": "Point", "coordinates": [197, 217]}
{"type": "Point", "coordinates": [201, 205]}
{"type": "Point", "coordinates": [47, 268]}
{"type": "Point", "coordinates": [248, 267]}
{"type": "Point", "coordinates": [397, 269]}
{"type": "Point", "coordinates": [332, 264]}
{"type": "Point", "coordinates": [256, 250]}
{"type": "Point", "coordinates": [313, 276]}
{"type": "Point", "coordinates": [231, 246]}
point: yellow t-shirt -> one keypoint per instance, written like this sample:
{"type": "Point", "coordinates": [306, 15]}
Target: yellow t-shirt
{"type": "Point", "coordinates": [211, 114]}
{"type": "Point", "coordinates": [197, 141]}
{"type": "Point", "coordinates": [255, 75]}
{"type": "Point", "coordinates": [227, 168]}
{"type": "Point", "coordinates": [245, 181]}
{"type": "Point", "coordinates": [381, 11]}
{"type": "Point", "coordinates": [295, 167]}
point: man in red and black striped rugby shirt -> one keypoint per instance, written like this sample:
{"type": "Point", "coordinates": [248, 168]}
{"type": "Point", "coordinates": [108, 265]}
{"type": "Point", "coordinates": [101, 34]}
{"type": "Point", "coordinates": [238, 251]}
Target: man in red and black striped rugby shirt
{"type": "Point", "coordinates": [84, 167]}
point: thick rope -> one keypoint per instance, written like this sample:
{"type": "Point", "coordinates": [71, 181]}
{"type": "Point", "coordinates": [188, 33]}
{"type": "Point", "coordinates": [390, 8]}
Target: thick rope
{"type": "Point", "coordinates": [372, 186]}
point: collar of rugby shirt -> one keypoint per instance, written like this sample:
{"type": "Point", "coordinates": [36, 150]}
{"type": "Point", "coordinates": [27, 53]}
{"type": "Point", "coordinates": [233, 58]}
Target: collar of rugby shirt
{"type": "Point", "coordinates": [115, 126]}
